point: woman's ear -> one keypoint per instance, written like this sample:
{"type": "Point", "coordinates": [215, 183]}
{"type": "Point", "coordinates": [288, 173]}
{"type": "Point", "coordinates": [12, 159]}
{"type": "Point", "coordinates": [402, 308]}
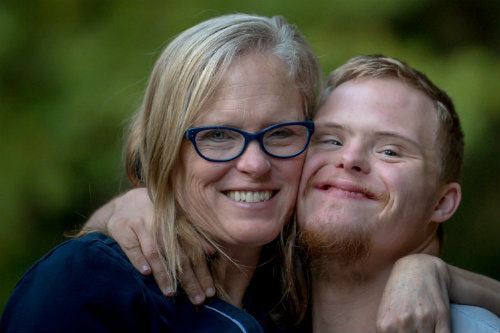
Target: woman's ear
{"type": "Point", "coordinates": [447, 205]}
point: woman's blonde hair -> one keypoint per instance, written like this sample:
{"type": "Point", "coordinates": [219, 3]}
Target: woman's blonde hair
{"type": "Point", "coordinates": [184, 77]}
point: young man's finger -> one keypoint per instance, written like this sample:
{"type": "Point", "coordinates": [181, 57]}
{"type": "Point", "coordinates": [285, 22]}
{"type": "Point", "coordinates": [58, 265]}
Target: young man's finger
{"type": "Point", "coordinates": [190, 283]}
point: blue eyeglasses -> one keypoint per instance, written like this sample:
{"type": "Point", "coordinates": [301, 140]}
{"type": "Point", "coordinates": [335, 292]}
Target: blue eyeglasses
{"type": "Point", "coordinates": [222, 144]}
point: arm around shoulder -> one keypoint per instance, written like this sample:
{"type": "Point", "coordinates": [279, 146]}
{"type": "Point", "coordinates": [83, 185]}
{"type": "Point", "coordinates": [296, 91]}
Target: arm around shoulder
{"type": "Point", "coordinates": [474, 289]}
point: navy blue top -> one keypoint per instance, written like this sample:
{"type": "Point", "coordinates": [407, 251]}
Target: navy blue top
{"type": "Point", "coordinates": [89, 285]}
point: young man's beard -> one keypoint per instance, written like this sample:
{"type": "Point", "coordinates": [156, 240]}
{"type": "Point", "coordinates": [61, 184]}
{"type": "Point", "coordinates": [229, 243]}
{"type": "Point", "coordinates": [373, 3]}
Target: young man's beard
{"type": "Point", "coordinates": [332, 251]}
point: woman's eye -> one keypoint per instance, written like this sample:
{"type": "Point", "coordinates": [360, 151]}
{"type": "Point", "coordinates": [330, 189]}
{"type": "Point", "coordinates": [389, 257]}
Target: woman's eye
{"type": "Point", "coordinates": [217, 135]}
{"type": "Point", "coordinates": [283, 133]}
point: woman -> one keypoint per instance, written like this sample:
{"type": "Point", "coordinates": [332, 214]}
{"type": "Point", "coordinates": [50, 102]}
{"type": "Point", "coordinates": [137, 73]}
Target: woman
{"type": "Point", "coordinates": [220, 133]}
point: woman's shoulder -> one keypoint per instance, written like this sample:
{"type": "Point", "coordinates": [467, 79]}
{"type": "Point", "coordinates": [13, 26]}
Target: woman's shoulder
{"type": "Point", "coordinates": [67, 289]}
{"type": "Point", "coordinates": [81, 255]}
{"type": "Point", "coordinates": [92, 267]}
{"type": "Point", "coordinates": [87, 246]}
{"type": "Point", "coordinates": [94, 242]}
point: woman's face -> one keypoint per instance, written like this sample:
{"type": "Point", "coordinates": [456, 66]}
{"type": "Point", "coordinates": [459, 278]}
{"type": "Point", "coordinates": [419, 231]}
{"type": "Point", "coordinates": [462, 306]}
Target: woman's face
{"type": "Point", "coordinates": [253, 94]}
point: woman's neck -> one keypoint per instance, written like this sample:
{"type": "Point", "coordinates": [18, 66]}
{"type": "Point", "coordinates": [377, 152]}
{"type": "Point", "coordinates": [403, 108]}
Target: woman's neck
{"type": "Point", "coordinates": [234, 275]}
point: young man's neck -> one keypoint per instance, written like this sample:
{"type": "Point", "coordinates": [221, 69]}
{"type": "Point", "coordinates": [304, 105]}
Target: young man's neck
{"type": "Point", "coordinates": [347, 299]}
{"type": "Point", "coordinates": [346, 295]}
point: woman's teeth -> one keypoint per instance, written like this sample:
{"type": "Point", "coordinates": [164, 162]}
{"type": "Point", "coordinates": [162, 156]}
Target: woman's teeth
{"type": "Point", "coordinates": [249, 196]}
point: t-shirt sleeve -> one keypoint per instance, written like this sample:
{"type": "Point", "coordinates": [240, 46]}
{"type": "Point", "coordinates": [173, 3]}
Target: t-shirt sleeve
{"type": "Point", "coordinates": [81, 286]}
{"type": "Point", "coordinates": [468, 318]}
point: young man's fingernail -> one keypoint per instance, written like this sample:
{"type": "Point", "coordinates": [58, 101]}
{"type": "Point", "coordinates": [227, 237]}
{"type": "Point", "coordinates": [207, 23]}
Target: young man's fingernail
{"type": "Point", "coordinates": [170, 291]}
{"type": "Point", "coordinates": [210, 292]}
{"type": "Point", "coordinates": [198, 299]}
{"type": "Point", "coordinates": [145, 268]}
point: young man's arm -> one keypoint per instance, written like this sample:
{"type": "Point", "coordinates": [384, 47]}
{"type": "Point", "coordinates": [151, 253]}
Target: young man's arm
{"type": "Point", "coordinates": [419, 291]}
{"type": "Point", "coordinates": [128, 219]}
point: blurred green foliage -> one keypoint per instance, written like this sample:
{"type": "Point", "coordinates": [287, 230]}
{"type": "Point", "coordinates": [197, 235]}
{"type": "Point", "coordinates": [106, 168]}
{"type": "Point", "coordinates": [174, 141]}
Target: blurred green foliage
{"type": "Point", "coordinates": [71, 72]}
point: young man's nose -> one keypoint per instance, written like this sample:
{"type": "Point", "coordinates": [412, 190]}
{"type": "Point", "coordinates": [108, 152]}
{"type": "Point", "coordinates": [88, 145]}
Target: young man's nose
{"type": "Point", "coordinates": [353, 158]}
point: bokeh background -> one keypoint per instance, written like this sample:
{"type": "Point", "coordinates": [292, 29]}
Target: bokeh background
{"type": "Point", "coordinates": [72, 72]}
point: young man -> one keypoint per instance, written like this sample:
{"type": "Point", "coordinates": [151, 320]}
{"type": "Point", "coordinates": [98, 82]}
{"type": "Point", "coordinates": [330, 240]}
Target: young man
{"type": "Point", "coordinates": [381, 176]}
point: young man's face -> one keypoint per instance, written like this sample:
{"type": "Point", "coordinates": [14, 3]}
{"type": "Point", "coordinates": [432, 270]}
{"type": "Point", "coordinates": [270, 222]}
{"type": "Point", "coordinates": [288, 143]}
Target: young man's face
{"type": "Point", "coordinates": [371, 173]}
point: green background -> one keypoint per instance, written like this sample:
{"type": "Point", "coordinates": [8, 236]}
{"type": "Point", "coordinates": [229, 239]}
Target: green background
{"type": "Point", "coordinates": [72, 72]}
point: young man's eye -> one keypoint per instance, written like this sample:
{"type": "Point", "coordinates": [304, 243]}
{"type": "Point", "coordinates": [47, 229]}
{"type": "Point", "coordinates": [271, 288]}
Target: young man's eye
{"type": "Point", "coordinates": [328, 140]}
{"type": "Point", "coordinates": [389, 152]}
{"type": "Point", "coordinates": [335, 142]}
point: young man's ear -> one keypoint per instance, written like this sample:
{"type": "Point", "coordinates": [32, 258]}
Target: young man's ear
{"type": "Point", "coordinates": [451, 194]}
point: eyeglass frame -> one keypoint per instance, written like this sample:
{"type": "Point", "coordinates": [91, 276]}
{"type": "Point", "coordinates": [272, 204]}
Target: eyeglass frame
{"type": "Point", "coordinates": [191, 133]}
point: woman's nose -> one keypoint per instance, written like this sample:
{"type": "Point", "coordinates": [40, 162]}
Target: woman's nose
{"type": "Point", "coordinates": [254, 161]}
